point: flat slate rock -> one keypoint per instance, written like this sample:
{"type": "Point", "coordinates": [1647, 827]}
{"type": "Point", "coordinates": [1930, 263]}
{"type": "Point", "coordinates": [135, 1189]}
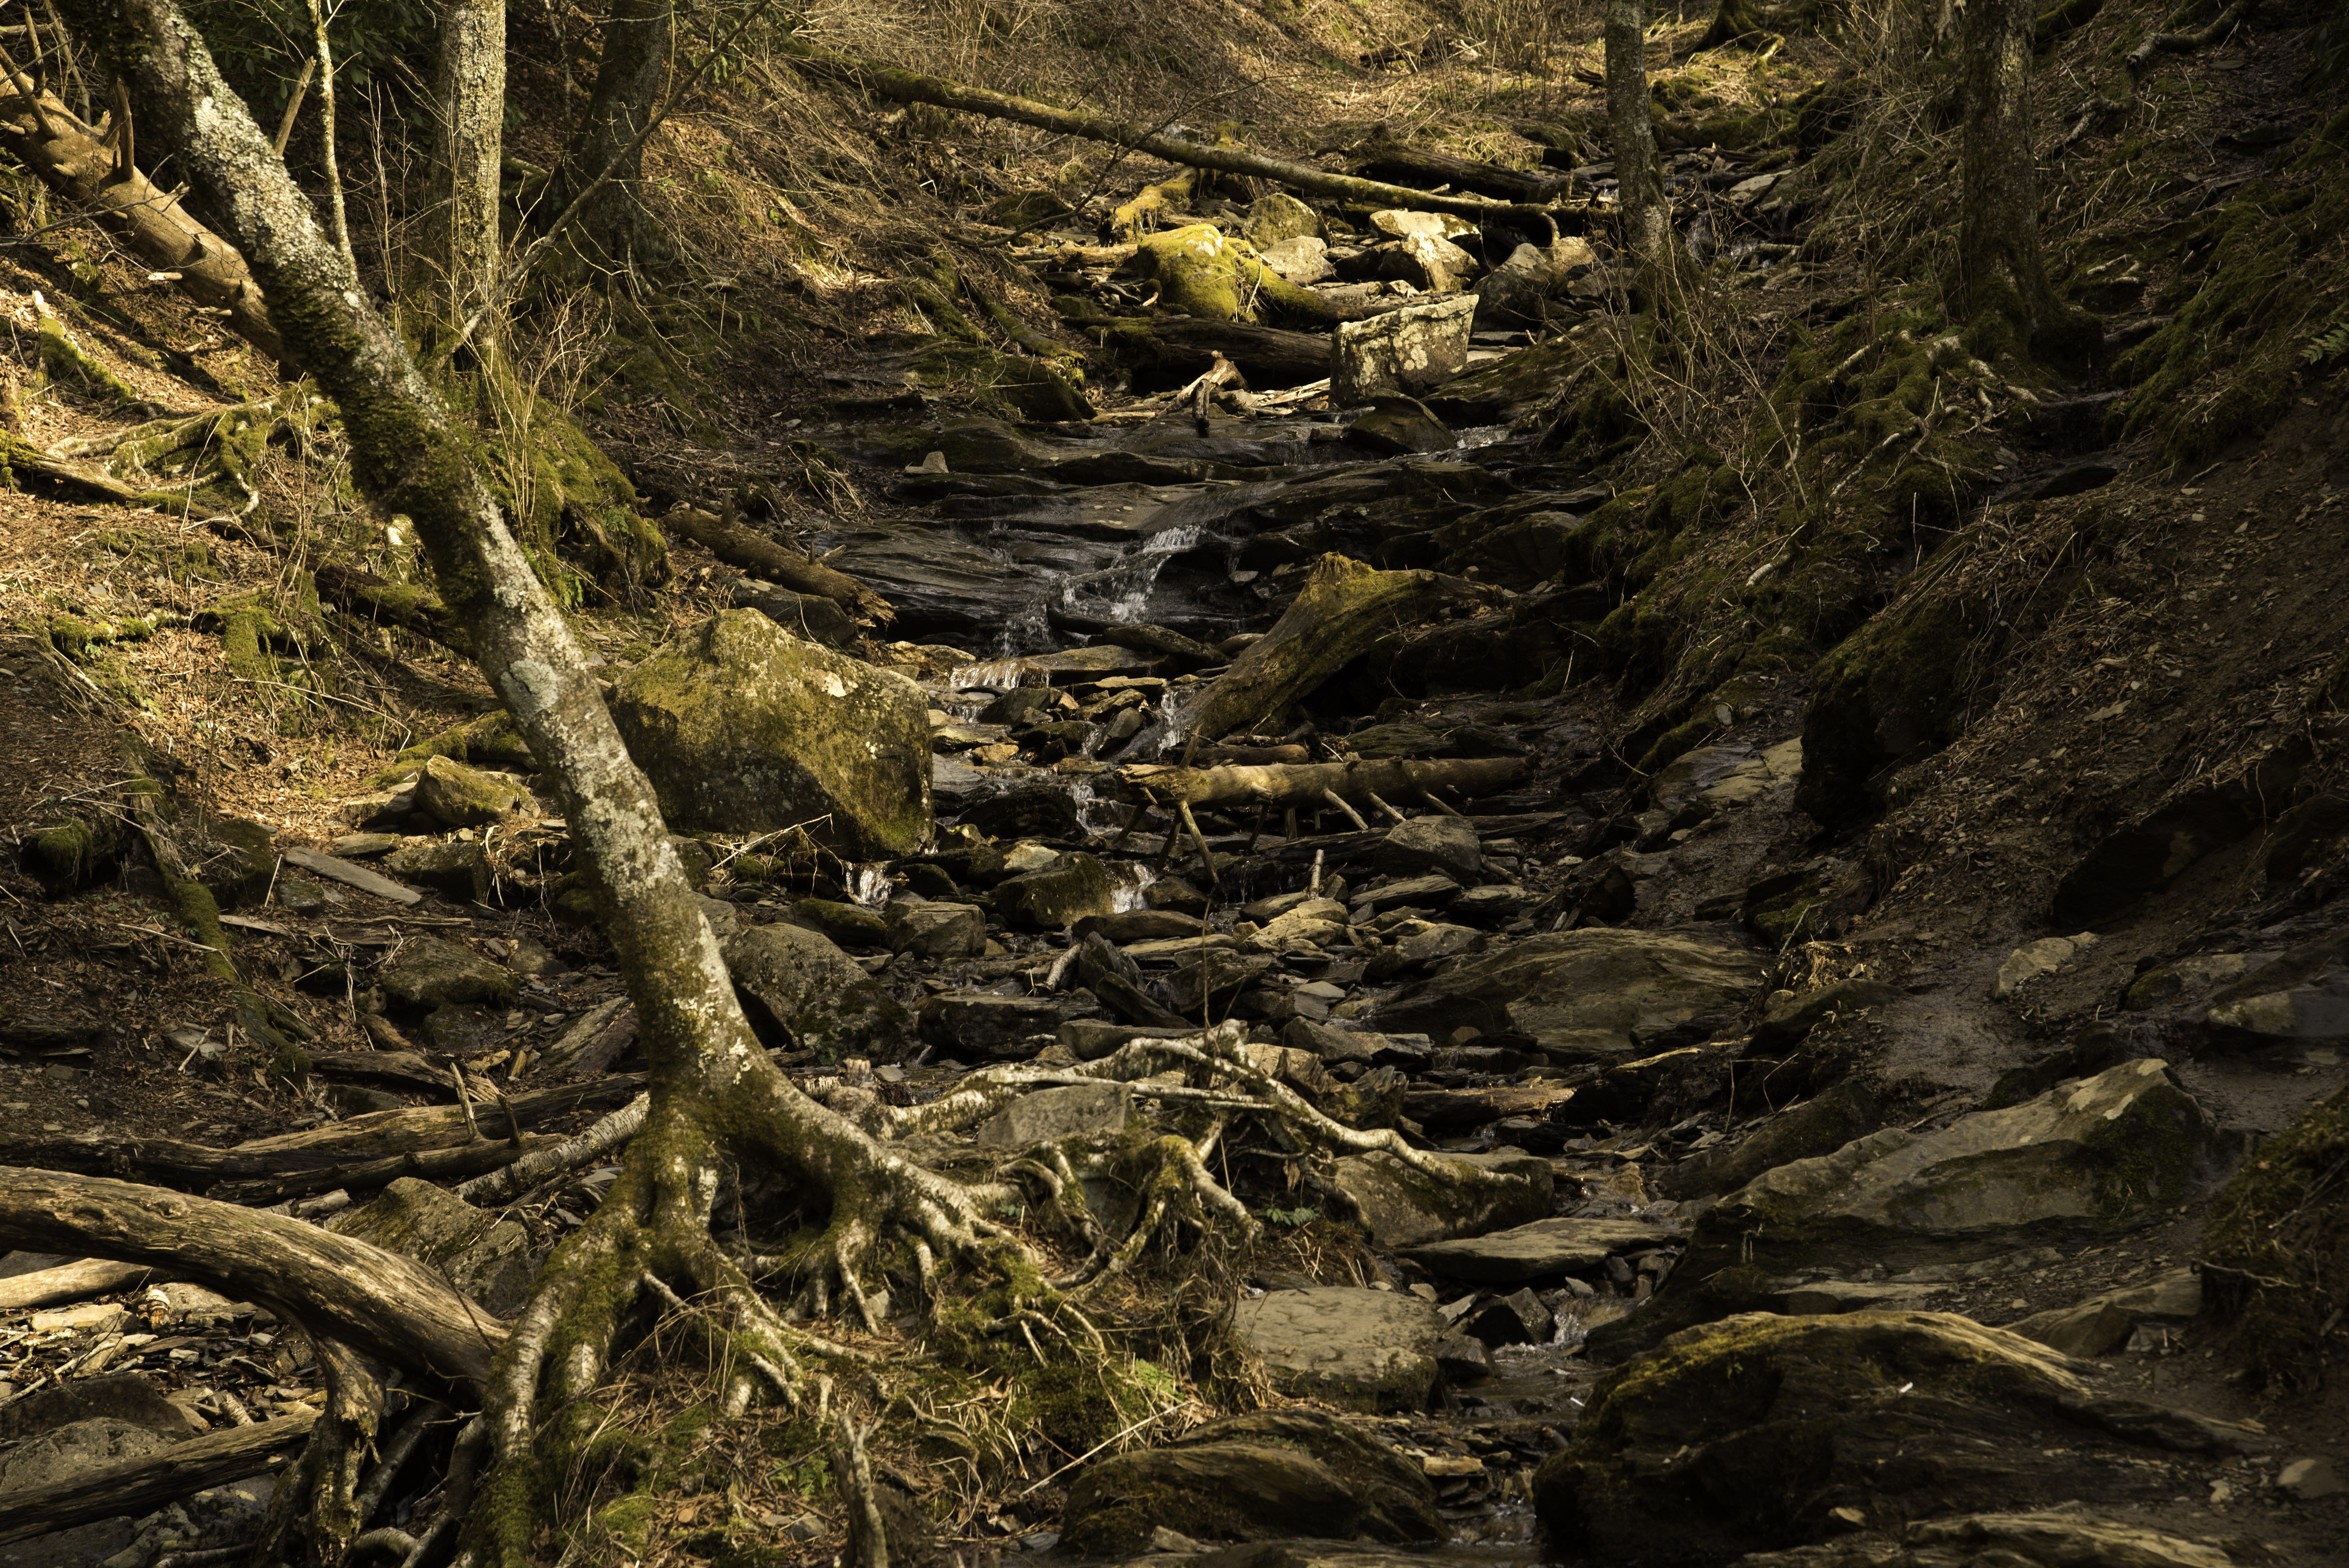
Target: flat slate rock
{"type": "Point", "coordinates": [1361, 1349]}
{"type": "Point", "coordinates": [1543, 1250]}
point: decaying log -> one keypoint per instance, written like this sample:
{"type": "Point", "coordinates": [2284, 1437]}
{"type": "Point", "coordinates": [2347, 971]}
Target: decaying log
{"type": "Point", "coordinates": [1392, 160]}
{"type": "Point", "coordinates": [1346, 606]}
{"type": "Point", "coordinates": [1452, 1108]}
{"type": "Point", "coordinates": [1307, 784]}
{"type": "Point", "coordinates": [910, 87]}
{"type": "Point", "coordinates": [377, 1302]}
{"type": "Point", "coordinates": [141, 1486]}
{"type": "Point", "coordinates": [69, 1282]}
{"type": "Point", "coordinates": [80, 164]}
{"type": "Point", "coordinates": [756, 553]}
{"type": "Point", "coordinates": [362, 593]}
{"type": "Point", "coordinates": [1168, 350]}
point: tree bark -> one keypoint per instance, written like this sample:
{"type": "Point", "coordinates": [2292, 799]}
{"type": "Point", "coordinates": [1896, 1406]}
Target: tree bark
{"type": "Point", "coordinates": [461, 259]}
{"type": "Point", "coordinates": [378, 1302]}
{"type": "Point", "coordinates": [76, 161]}
{"type": "Point", "coordinates": [634, 63]}
{"type": "Point", "coordinates": [140, 1486]}
{"type": "Point", "coordinates": [1645, 221]}
{"type": "Point", "coordinates": [2001, 270]}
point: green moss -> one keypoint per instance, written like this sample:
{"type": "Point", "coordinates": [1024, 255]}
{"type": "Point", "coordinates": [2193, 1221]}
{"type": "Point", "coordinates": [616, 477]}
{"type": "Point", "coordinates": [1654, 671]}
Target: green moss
{"type": "Point", "coordinates": [64, 360]}
{"type": "Point", "coordinates": [2276, 1256]}
{"type": "Point", "coordinates": [1201, 271]}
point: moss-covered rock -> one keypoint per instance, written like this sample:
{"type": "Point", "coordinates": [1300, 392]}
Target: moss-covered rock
{"type": "Point", "coordinates": [1400, 1207]}
{"type": "Point", "coordinates": [743, 728]}
{"type": "Point", "coordinates": [432, 972]}
{"type": "Point", "coordinates": [1202, 271]}
{"type": "Point", "coordinates": [487, 1258]}
{"type": "Point", "coordinates": [489, 740]}
{"type": "Point", "coordinates": [799, 983]}
{"type": "Point", "coordinates": [460, 797]}
{"type": "Point", "coordinates": [2276, 1258]}
{"type": "Point", "coordinates": [844, 923]}
{"type": "Point", "coordinates": [456, 868]}
{"type": "Point", "coordinates": [1054, 899]}
{"type": "Point", "coordinates": [238, 858]}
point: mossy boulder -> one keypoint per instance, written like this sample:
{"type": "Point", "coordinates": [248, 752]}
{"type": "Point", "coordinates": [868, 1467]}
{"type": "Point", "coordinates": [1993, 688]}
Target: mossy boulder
{"type": "Point", "coordinates": [456, 868]}
{"type": "Point", "coordinates": [1893, 693]}
{"type": "Point", "coordinates": [1073, 887]}
{"type": "Point", "coordinates": [743, 728]}
{"type": "Point", "coordinates": [460, 797]}
{"type": "Point", "coordinates": [489, 740]}
{"type": "Point", "coordinates": [1400, 1207]}
{"type": "Point", "coordinates": [73, 852]}
{"type": "Point", "coordinates": [1276, 216]}
{"type": "Point", "coordinates": [2276, 1258]}
{"type": "Point", "coordinates": [798, 984]}
{"type": "Point", "coordinates": [844, 923]}
{"type": "Point", "coordinates": [1274, 1475]}
{"type": "Point", "coordinates": [1360, 1350]}
{"type": "Point", "coordinates": [433, 972]}
{"type": "Point", "coordinates": [1763, 1432]}
{"type": "Point", "coordinates": [1000, 383]}
{"type": "Point", "coordinates": [1202, 271]}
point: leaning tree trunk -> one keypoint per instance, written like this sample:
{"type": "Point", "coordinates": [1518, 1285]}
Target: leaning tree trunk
{"type": "Point", "coordinates": [1646, 222]}
{"type": "Point", "coordinates": [2000, 271]}
{"type": "Point", "coordinates": [459, 264]}
{"type": "Point", "coordinates": [637, 38]}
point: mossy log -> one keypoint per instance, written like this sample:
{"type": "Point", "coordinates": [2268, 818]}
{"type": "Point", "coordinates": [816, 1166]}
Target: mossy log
{"type": "Point", "coordinates": [1175, 350]}
{"type": "Point", "coordinates": [1410, 165]}
{"type": "Point", "coordinates": [90, 167]}
{"type": "Point", "coordinates": [1308, 784]}
{"type": "Point", "coordinates": [912, 86]}
{"type": "Point", "coordinates": [1201, 271]}
{"type": "Point", "coordinates": [1345, 608]}
{"type": "Point", "coordinates": [755, 553]}
{"type": "Point", "coordinates": [360, 592]}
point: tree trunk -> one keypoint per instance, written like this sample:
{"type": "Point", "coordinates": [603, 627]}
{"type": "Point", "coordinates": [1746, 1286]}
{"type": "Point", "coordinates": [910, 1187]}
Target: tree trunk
{"type": "Point", "coordinates": [2001, 272]}
{"type": "Point", "coordinates": [635, 64]}
{"type": "Point", "coordinates": [1645, 221]}
{"type": "Point", "coordinates": [459, 261]}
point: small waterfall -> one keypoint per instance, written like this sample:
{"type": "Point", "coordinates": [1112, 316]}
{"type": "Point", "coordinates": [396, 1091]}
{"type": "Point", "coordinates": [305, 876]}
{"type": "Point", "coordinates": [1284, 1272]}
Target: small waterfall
{"type": "Point", "coordinates": [1128, 882]}
{"type": "Point", "coordinates": [868, 886]}
{"type": "Point", "coordinates": [1122, 590]}
{"type": "Point", "coordinates": [1001, 675]}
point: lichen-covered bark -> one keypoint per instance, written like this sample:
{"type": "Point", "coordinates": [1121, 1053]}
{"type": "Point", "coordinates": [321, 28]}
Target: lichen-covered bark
{"type": "Point", "coordinates": [628, 90]}
{"type": "Point", "coordinates": [2000, 268]}
{"type": "Point", "coordinates": [460, 260]}
{"type": "Point", "coordinates": [1646, 228]}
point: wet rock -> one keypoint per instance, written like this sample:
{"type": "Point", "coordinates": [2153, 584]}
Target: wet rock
{"type": "Point", "coordinates": [803, 615]}
{"type": "Point", "coordinates": [460, 797]}
{"type": "Point", "coordinates": [1047, 1116]}
{"type": "Point", "coordinates": [1320, 920]}
{"type": "Point", "coordinates": [1421, 891]}
{"type": "Point", "coordinates": [1421, 943]}
{"type": "Point", "coordinates": [1267, 1476]}
{"type": "Point", "coordinates": [1462, 1358]}
{"type": "Point", "coordinates": [1053, 900]}
{"type": "Point", "coordinates": [1276, 217]}
{"type": "Point", "coordinates": [432, 972]}
{"type": "Point", "coordinates": [798, 982]}
{"type": "Point", "coordinates": [1207, 985]}
{"type": "Point", "coordinates": [479, 1253]}
{"type": "Point", "coordinates": [938, 931]}
{"type": "Point", "coordinates": [1409, 351]}
{"type": "Point", "coordinates": [1402, 1208]}
{"type": "Point", "coordinates": [1176, 894]}
{"type": "Point", "coordinates": [2103, 1324]}
{"type": "Point", "coordinates": [1397, 425]}
{"type": "Point", "coordinates": [1360, 1350]}
{"type": "Point", "coordinates": [1516, 1319]}
{"type": "Point", "coordinates": [2090, 1158]}
{"type": "Point", "coordinates": [2301, 997]}
{"type": "Point", "coordinates": [456, 868]}
{"type": "Point", "coordinates": [1492, 905]}
{"type": "Point", "coordinates": [2045, 956]}
{"type": "Point", "coordinates": [1543, 1250]}
{"type": "Point", "coordinates": [742, 727]}
{"type": "Point", "coordinates": [1139, 925]}
{"type": "Point", "coordinates": [979, 1024]}
{"type": "Point", "coordinates": [1810, 1423]}
{"type": "Point", "coordinates": [1444, 846]}
{"type": "Point", "coordinates": [1820, 1125]}
{"type": "Point", "coordinates": [1585, 995]}
{"type": "Point", "coordinates": [848, 924]}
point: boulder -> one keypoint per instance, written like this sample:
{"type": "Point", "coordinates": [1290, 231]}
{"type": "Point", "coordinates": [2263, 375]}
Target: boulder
{"type": "Point", "coordinates": [1029, 811]}
{"type": "Point", "coordinates": [432, 972]}
{"type": "Point", "coordinates": [938, 931]}
{"type": "Point", "coordinates": [237, 863]}
{"type": "Point", "coordinates": [1402, 1208]}
{"type": "Point", "coordinates": [1361, 1349]}
{"type": "Point", "coordinates": [1399, 225]}
{"type": "Point", "coordinates": [848, 924]}
{"type": "Point", "coordinates": [1762, 1432]}
{"type": "Point", "coordinates": [982, 1024]}
{"type": "Point", "coordinates": [1303, 261]}
{"type": "Point", "coordinates": [743, 728]}
{"type": "Point", "coordinates": [124, 1397]}
{"type": "Point", "coordinates": [455, 868]}
{"type": "Point", "coordinates": [1398, 426]}
{"type": "Point", "coordinates": [1075, 886]}
{"type": "Point", "coordinates": [1518, 1318]}
{"type": "Point", "coordinates": [460, 797]}
{"type": "Point", "coordinates": [1820, 1125]}
{"type": "Point", "coordinates": [1201, 271]}
{"type": "Point", "coordinates": [1429, 262]}
{"type": "Point", "coordinates": [2045, 956]}
{"type": "Point", "coordinates": [798, 982]}
{"type": "Point", "coordinates": [1587, 995]}
{"type": "Point", "coordinates": [1411, 350]}
{"type": "Point", "coordinates": [1444, 846]}
{"type": "Point", "coordinates": [2104, 1323]}
{"type": "Point", "coordinates": [64, 1452]}
{"type": "Point", "coordinates": [1140, 925]}
{"type": "Point", "coordinates": [487, 1258]}
{"type": "Point", "coordinates": [1277, 218]}
{"type": "Point", "coordinates": [1544, 1250]}
{"type": "Point", "coordinates": [1273, 1474]}
{"type": "Point", "coordinates": [1047, 1116]}
{"type": "Point", "coordinates": [2302, 997]}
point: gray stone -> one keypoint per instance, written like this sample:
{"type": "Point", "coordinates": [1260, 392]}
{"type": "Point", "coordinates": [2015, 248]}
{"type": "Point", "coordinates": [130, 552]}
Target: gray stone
{"type": "Point", "coordinates": [1398, 426]}
{"type": "Point", "coordinates": [942, 931]}
{"type": "Point", "coordinates": [1491, 905]}
{"type": "Point", "coordinates": [2045, 956]}
{"type": "Point", "coordinates": [2310, 1479]}
{"type": "Point", "coordinates": [1829, 1295]}
{"type": "Point", "coordinates": [1463, 1358]}
{"type": "Point", "coordinates": [1074, 887]}
{"type": "Point", "coordinates": [1047, 1116]}
{"type": "Point", "coordinates": [454, 867]}
{"type": "Point", "coordinates": [2103, 1324]}
{"type": "Point", "coordinates": [1422, 891]}
{"type": "Point", "coordinates": [300, 895]}
{"type": "Point", "coordinates": [63, 1453]}
{"type": "Point", "coordinates": [1141, 925]}
{"type": "Point", "coordinates": [1516, 1319]}
{"type": "Point", "coordinates": [1409, 350]}
{"type": "Point", "coordinates": [799, 982]}
{"type": "Point", "coordinates": [743, 728]}
{"type": "Point", "coordinates": [1585, 996]}
{"type": "Point", "coordinates": [485, 1257]}
{"type": "Point", "coordinates": [803, 615]}
{"type": "Point", "coordinates": [982, 1024]}
{"type": "Point", "coordinates": [1276, 218]}
{"type": "Point", "coordinates": [1428, 942]}
{"type": "Point", "coordinates": [1402, 1208]}
{"type": "Point", "coordinates": [123, 1396]}
{"type": "Point", "coordinates": [1817, 1126]}
{"type": "Point", "coordinates": [432, 972]}
{"type": "Point", "coordinates": [1540, 1251]}
{"type": "Point", "coordinates": [1362, 1349]}
{"type": "Point", "coordinates": [2303, 996]}
{"type": "Point", "coordinates": [1444, 846]}
{"type": "Point", "coordinates": [1303, 259]}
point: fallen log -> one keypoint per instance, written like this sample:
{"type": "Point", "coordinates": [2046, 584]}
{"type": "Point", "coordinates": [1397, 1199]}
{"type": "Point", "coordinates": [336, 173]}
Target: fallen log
{"type": "Point", "coordinates": [378, 1302]}
{"type": "Point", "coordinates": [69, 1282]}
{"type": "Point", "coordinates": [91, 168]}
{"type": "Point", "coordinates": [1389, 161]}
{"type": "Point", "coordinates": [141, 1486]}
{"type": "Point", "coordinates": [1345, 607]}
{"type": "Point", "coordinates": [911, 86]}
{"type": "Point", "coordinates": [361, 593]}
{"type": "Point", "coordinates": [761, 556]}
{"type": "Point", "coordinates": [1170, 350]}
{"type": "Point", "coordinates": [1307, 784]}
{"type": "Point", "coordinates": [1457, 1108]}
